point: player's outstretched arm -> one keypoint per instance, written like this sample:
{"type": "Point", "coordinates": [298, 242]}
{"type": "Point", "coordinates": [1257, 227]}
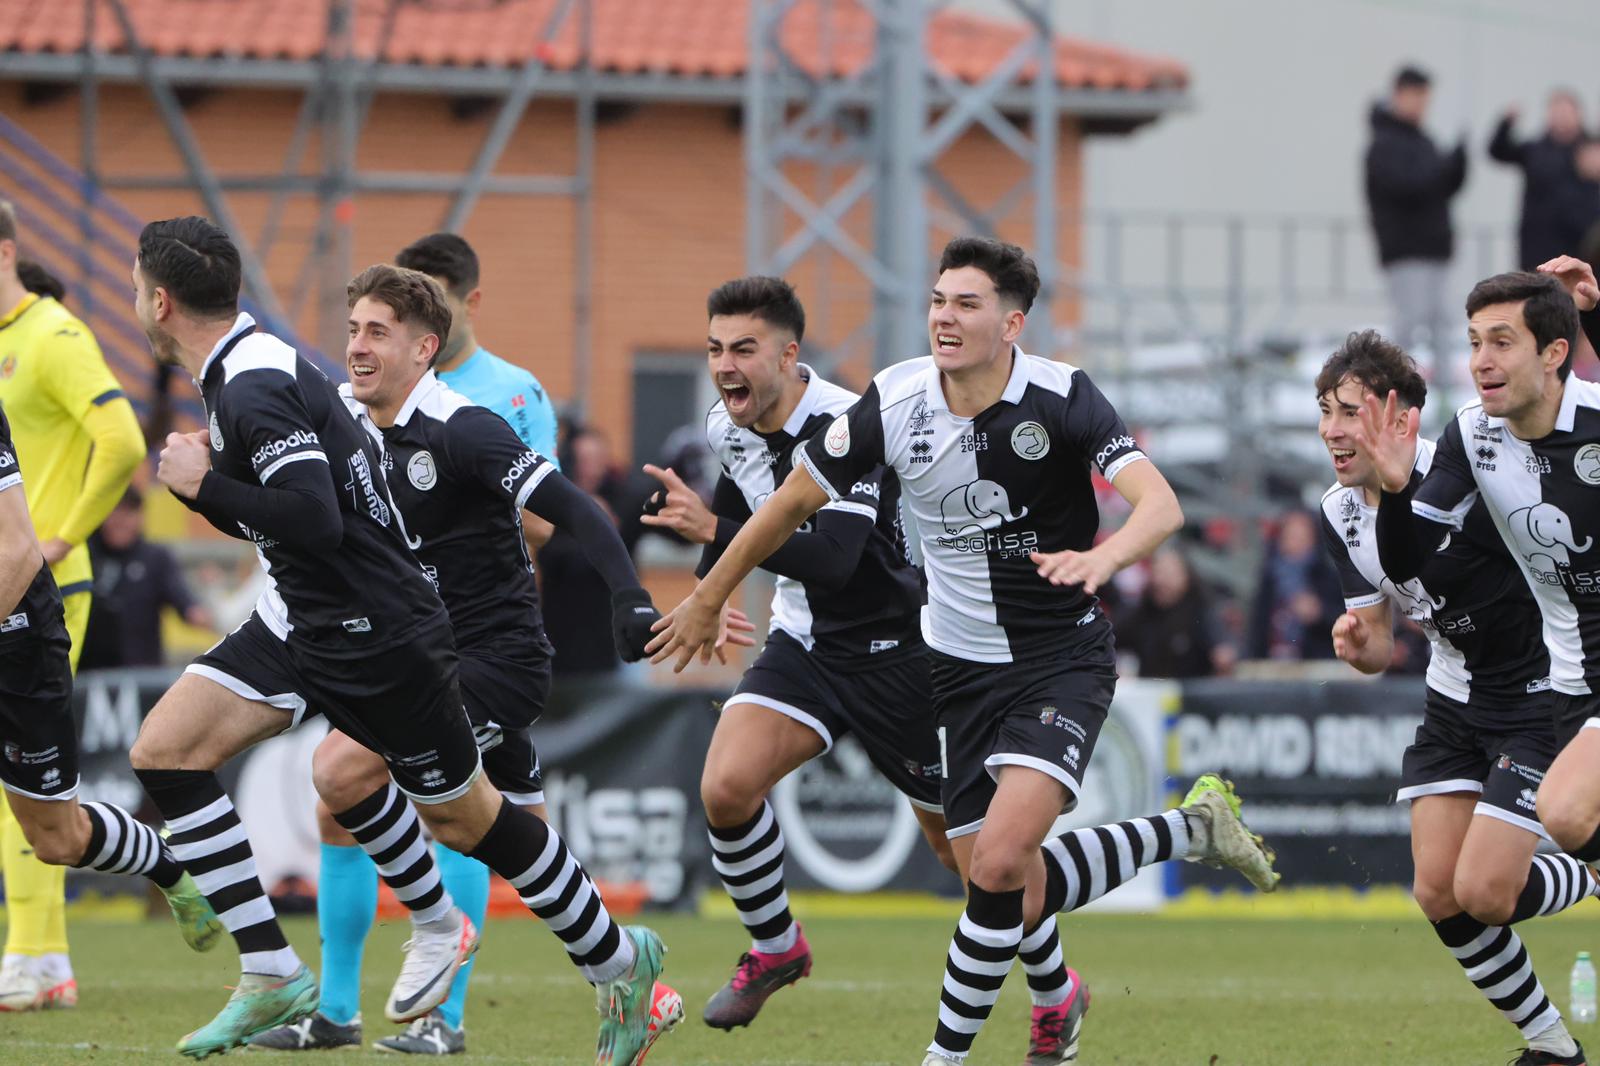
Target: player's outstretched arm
{"type": "Point", "coordinates": [691, 628]}
{"type": "Point", "coordinates": [20, 558]}
{"type": "Point", "coordinates": [564, 505]}
{"type": "Point", "coordinates": [825, 556]}
{"type": "Point", "coordinates": [1156, 516]}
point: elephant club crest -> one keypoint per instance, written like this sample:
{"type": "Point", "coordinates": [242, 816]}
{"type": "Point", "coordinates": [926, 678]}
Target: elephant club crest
{"type": "Point", "coordinates": [977, 507]}
{"type": "Point", "coordinates": [1545, 536]}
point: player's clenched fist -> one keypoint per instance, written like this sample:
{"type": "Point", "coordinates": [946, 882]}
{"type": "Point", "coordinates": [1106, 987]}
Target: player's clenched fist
{"type": "Point", "coordinates": [632, 616]}
{"type": "Point", "coordinates": [1350, 636]}
{"type": "Point", "coordinates": [185, 461]}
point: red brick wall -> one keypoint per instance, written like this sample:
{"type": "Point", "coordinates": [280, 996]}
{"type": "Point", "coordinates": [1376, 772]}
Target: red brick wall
{"type": "Point", "coordinates": [669, 214]}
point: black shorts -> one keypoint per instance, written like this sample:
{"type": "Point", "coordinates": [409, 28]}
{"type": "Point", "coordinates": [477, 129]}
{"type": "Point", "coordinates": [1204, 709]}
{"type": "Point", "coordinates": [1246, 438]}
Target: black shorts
{"type": "Point", "coordinates": [886, 704]}
{"type": "Point", "coordinates": [505, 687]}
{"type": "Point", "coordinates": [1572, 714]}
{"type": "Point", "coordinates": [403, 703]}
{"type": "Point", "coordinates": [1042, 713]}
{"type": "Point", "coordinates": [1504, 767]}
{"type": "Point", "coordinates": [37, 734]}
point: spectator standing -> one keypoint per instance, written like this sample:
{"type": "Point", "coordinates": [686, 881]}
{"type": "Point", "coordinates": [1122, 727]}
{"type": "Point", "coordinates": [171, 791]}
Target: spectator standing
{"type": "Point", "coordinates": [1551, 183]}
{"type": "Point", "coordinates": [1298, 597]}
{"type": "Point", "coordinates": [1410, 183]}
{"type": "Point", "coordinates": [133, 580]}
{"type": "Point", "coordinates": [1170, 629]}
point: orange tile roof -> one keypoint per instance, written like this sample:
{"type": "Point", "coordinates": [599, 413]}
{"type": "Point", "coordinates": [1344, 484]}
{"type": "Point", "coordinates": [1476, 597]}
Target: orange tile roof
{"type": "Point", "coordinates": [685, 38]}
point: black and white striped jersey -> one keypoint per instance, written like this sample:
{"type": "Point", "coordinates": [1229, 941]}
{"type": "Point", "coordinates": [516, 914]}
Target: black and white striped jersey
{"type": "Point", "coordinates": [269, 412]}
{"type": "Point", "coordinates": [872, 608]}
{"type": "Point", "coordinates": [981, 493]}
{"type": "Point", "coordinates": [1480, 619]}
{"type": "Point", "coordinates": [1543, 496]}
{"type": "Point", "coordinates": [461, 476]}
{"type": "Point", "coordinates": [41, 602]}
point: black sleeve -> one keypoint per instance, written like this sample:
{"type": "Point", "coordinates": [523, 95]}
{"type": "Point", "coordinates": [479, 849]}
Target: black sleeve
{"type": "Point", "coordinates": [1591, 326]}
{"type": "Point", "coordinates": [561, 503]}
{"type": "Point", "coordinates": [729, 505]}
{"type": "Point", "coordinates": [299, 508]}
{"type": "Point", "coordinates": [828, 553]}
{"type": "Point", "coordinates": [1503, 146]}
{"type": "Point", "coordinates": [481, 446]}
{"type": "Point", "coordinates": [1401, 537]}
{"type": "Point", "coordinates": [10, 472]}
{"type": "Point", "coordinates": [1455, 175]}
{"type": "Point", "coordinates": [296, 501]}
{"type": "Point", "coordinates": [1099, 433]}
{"type": "Point", "coordinates": [848, 448]}
{"type": "Point", "coordinates": [1414, 522]}
{"type": "Point", "coordinates": [219, 521]}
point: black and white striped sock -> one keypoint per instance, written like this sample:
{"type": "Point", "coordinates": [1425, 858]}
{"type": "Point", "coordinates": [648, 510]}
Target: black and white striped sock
{"type": "Point", "coordinates": [389, 831]}
{"type": "Point", "coordinates": [1496, 962]}
{"type": "Point", "coordinates": [209, 840]}
{"type": "Point", "coordinates": [1555, 882]}
{"type": "Point", "coordinates": [1092, 862]}
{"type": "Point", "coordinates": [1049, 984]}
{"type": "Point", "coordinates": [121, 844]}
{"type": "Point", "coordinates": [528, 853]}
{"type": "Point", "coordinates": [981, 953]}
{"type": "Point", "coordinates": [749, 860]}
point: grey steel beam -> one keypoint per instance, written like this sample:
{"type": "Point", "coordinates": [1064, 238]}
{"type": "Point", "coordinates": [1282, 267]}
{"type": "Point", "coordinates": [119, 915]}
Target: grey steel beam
{"type": "Point", "coordinates": [527, 82]}
{"type": "Point", "coordinates": [901, 207]}
{"type": "Point", "coordinates": [583, 222]}
{"type": "Point", "coordinates": [188, 145]}
{"type": "Point", "coordinates": [395, 181]}
{"type": "Point", "coordinates": [1041, 332]}
{"type": "Point", "coordinates": [1134, 104]}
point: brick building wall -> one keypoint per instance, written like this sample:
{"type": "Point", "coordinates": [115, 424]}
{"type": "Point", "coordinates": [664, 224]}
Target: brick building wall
{"type": "Point", "coordinates": [669, 214]}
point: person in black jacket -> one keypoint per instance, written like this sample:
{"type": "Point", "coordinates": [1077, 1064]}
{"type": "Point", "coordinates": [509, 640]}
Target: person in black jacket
{"type": "Point", "coordinates": [1551, 181]}
{"type": "Point", "coordinates": [1298, 596]}
{"type": "Point", "coordinates": [1410, 183]}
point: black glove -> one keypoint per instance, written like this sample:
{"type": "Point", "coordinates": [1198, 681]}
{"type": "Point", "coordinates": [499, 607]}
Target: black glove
{"type": "Point", "coordinates": [632, 615]}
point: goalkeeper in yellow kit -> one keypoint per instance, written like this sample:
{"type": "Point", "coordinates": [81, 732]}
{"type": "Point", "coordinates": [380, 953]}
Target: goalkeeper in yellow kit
{"type": "Point", "coordinates": [76, 435]}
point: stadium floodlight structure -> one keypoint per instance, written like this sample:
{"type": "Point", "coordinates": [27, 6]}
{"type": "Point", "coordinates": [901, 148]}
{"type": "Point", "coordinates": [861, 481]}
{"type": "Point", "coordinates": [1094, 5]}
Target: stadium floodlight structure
{"type": "Point", "coordinates": [875, 135]}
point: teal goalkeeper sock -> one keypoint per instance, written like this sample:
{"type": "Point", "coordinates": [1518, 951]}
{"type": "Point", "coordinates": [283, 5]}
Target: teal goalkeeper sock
{"type": "Point", "coordinates": [467, 880]}
{"type": "Point", "coordinates": [347, 901]}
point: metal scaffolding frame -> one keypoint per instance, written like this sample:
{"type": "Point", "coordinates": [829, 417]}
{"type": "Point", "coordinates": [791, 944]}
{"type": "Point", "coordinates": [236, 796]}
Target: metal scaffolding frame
{"type": "Point", "coordinates": [882, 128]}
{"type": "Point", "coordinates": [339, 89]}
{"type": "Point", "coordinates": [889, 157]}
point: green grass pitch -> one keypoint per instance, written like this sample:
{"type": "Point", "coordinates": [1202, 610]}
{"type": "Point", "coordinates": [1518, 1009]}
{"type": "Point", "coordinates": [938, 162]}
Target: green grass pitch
{"type": "Point", "coordinates": [1167, 992]}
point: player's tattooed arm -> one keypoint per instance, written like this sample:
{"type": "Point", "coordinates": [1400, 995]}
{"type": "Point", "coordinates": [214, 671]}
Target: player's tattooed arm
{"type": "Point", "coordinates": [691, 628]}
{"type": "Point", "coordinates": [1156, 516]}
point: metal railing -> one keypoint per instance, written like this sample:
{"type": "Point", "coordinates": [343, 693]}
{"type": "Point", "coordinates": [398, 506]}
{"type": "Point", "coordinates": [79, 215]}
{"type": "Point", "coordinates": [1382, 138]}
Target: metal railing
{"type": "Point", "coordinates": [88, 239]}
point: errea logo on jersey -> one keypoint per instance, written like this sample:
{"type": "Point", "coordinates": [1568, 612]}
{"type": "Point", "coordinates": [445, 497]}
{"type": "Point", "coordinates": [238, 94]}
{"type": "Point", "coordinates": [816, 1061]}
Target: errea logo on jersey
{"type": "Point", "coordinates": [524, 462]}
{"type": "Point", "coordinates": [300, 438]}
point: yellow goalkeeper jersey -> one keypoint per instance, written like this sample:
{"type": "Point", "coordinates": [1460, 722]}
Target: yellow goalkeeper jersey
{"type": "Point", "coordinates": [64, 404]}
